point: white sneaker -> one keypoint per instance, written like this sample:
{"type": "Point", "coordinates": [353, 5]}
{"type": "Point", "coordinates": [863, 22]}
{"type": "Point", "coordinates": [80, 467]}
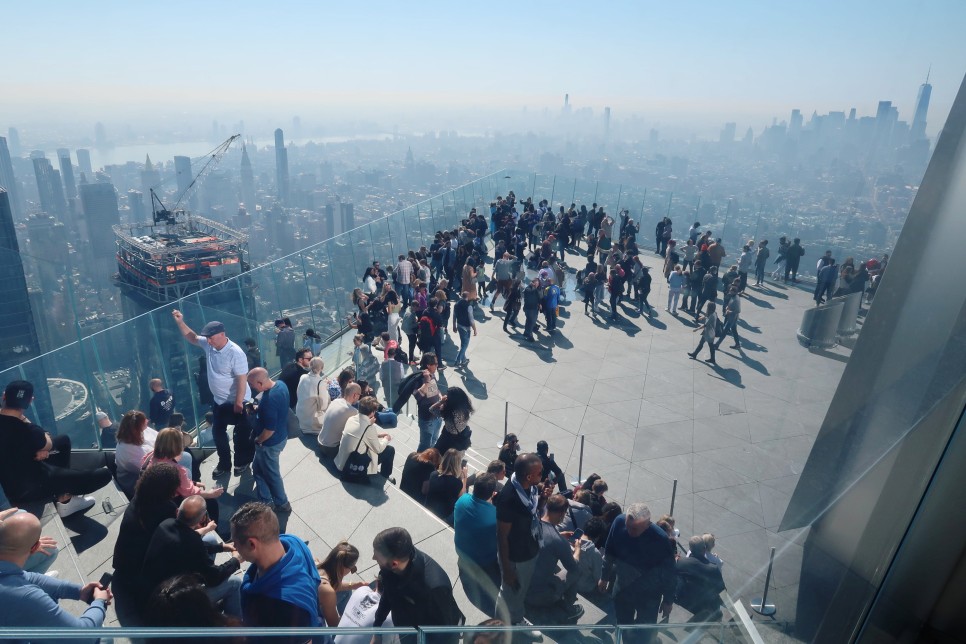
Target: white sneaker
{"type": "Point", "coordinates": [76, 504]}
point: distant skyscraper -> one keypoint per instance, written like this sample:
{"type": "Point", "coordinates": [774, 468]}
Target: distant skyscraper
{"type": "Point", "coordinates": [728, 133]}
{"type": "Point", "coordinates": [135, 203]}
{"type": "Point", "coordinates": [47, 239]}
{"type": "Point", "coordinates": [922, 106]}
{"type": "Point", "coordinates": [281, 167]}
{"type": "Point", "coordinates": [67, 173]}
{"type": "Point", "coordinates": [150, 177]}
{"type": "Point", "coordinates": [13, 138]}
{"type": "Point", "coordinates": [8, 180]}
{"type": "Point", "coordinates": [606, 121]}
{"type": "Point", "coordinates": [795, 124]}
{"type": "Point", "coordinates": [84, 163]}
{"type": "Point", "coordinates": [347, 216]}
{"type": "Point", "coordinates": [100, 136]}
{"type": "Point", "coordinates": [101, 214]}
{"type": "Point", "coordinates": [184, 175]}
{"type": "Point", "coordinates": [17, 328]}
{"type": "Point", "coordinates": [885, 117]}
{"type": "Point", "coordinates": [182, 171]}
{"type": "Point", "coordinates": [49, 188]}
{"type": "Point", "coordinates": [566, 107]}
{"type": "Point", "coordinates": [247, 182]}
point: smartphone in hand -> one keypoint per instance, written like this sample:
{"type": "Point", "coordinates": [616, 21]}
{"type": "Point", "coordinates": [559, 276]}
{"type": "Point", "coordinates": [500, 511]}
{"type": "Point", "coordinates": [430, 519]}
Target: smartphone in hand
{"type": "Point", "coordinates": [106, 580]}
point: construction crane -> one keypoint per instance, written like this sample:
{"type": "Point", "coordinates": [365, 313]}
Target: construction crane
{"type": "Point", "coordinates": [170, 217]}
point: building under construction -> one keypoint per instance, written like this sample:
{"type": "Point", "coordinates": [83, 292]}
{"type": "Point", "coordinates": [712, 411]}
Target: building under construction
{"type": "Point", "coordinates": [173, 258]}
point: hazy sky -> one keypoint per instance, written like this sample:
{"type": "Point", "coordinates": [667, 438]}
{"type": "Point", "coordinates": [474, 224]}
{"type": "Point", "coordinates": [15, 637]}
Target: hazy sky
{"type": "Point", "coordinates": [700, 60]}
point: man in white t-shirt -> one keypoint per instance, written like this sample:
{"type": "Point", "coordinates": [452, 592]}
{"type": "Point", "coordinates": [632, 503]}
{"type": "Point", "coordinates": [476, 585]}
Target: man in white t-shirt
{"type": "Point", "coordinates": [360, 612]}
{"type": "Point", "coordinates": [337, 414]}
{"type": "Point", "coordinates": [228, 381]}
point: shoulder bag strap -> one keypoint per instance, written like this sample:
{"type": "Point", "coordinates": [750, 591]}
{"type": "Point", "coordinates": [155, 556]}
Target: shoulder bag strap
{"type": "Point", "coordinates": [361, 437]}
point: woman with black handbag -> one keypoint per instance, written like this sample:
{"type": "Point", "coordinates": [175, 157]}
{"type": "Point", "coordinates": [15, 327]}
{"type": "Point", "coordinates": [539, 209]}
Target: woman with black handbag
{"type": "Point", "coordinates": [361, 439]}
{"type": "Point", "coordinates": [455, 409]}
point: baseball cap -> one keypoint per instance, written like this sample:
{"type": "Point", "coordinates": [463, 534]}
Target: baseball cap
{"type": "Point", "coordinates": [18, 394]}
{"type": "Point", "coordinates": [212, 328]}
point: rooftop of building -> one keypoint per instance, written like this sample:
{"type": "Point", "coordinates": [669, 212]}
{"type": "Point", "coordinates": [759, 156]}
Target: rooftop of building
{"type": "Point", "coordinates": [732, 438]}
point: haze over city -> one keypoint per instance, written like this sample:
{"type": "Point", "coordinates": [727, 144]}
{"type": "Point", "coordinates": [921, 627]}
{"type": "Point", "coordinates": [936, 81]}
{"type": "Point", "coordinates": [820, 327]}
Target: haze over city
{"type": "Point", "coordinates": [349, 68]}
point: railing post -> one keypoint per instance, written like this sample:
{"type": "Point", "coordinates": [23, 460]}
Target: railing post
{"type": "Point", "coordinates": [580, 463]}
{"type": "Point", "coordinates": [760, 604]}
{"type": "Point", "coordinates": [506, 419]}
{"type": "Point", "coordinates": [674, 493]}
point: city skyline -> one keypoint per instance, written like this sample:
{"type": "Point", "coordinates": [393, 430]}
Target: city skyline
{"type": "Point", "coordinates": [439, 63]}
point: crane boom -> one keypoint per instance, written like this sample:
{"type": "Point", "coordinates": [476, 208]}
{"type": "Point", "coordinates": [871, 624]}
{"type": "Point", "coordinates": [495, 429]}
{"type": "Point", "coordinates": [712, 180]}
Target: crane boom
{"type": "Point", "coordinates": [162, 214]}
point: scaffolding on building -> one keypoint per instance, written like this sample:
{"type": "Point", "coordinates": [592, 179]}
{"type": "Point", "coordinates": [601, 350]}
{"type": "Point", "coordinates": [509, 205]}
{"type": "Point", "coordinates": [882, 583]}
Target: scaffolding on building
{"type": "Point", "coordinates": [168, 260]}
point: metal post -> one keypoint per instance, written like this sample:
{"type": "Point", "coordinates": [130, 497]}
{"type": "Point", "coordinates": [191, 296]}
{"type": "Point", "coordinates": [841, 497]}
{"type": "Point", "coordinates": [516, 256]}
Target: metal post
{"type": "Point", "coordinates": [760, 604]}
{"type": "Point", "coordinates": [674, 494]}
{"type": "Point", "coordinates": [670, 197]}
{"type": "Point", "coordinates": [580, 462]}
{"type": "Point", "coordinates": [506, 419]}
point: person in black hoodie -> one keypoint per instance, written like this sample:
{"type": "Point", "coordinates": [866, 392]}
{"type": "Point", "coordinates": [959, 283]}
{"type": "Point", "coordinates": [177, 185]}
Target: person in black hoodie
{"type": "Point", "coordinates": [415, 588]}
{"type": "Point", "coordinates": [152, 504]}
{"type": "Point", "coordinates": [550, 467]}
{"type": "Point", "coordinates": [176, 547]}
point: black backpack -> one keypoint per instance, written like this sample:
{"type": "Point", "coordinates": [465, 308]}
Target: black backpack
{"type": "Point", "coordinates": [425, 331]}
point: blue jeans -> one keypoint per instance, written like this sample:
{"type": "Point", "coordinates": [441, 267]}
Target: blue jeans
{"type": "Point", "coordinates": [464, 332]}
{"type": "Point", "coordinates": [267, 474]}
{"type": "Point", "coordinates": [230, 591]}
{"type": "Point", "coordinates": [428, 432]}
{"type": "Point", "coordinates": [406, 294]}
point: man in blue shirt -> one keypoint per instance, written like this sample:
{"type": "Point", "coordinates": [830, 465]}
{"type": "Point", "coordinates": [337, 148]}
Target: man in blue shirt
{"type": "Point", "coordinates": [474, 520]}
{"type": "Point", "coordinates": [29, 599]}
{"type": "Point", "coordinates": [639, 570]}
{"type": "Point", "coordinates": [273, 419]}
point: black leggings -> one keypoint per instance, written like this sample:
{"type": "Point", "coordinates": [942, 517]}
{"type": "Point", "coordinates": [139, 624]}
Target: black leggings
{"type": "Point", "coordinates": [58, 479]}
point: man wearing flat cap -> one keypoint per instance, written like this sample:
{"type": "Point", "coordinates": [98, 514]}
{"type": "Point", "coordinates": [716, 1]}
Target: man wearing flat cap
{"type": "Point", "coordinates": [228, 380]}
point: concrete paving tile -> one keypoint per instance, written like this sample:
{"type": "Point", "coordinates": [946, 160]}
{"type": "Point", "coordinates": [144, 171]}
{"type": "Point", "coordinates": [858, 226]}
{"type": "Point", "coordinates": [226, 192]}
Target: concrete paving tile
{"type": "Point", "coordinates": [677, 433]}
{"type": "Point", "coordinates": [516, 389]}
{"type": "Point", "coordinates": [625, 412]}
{"type": "Point", "coordinates": [709, 475]}
{"type": "Point", "coordinates": [571, 383]}
{"type": "Point", "coordinates": [617, 389]}
{"type": "Point", "coordinates": [549, 400]}
{"type": "Point", "coordinates": [773, 505]}
{"type": "Point", "coordinates": [537, 373]}
{"type": "Point", "coordinates": [646, 484]}
{"type": "Point", "coordinates": [721, 522]}
{"type": "Point", "coordinates": [652, 413]}
{"type": "Point", "coordinates": [568, 418]}
{"type": "Point", "coordinates": [679, 403]}
{"type": "Point", "coordinates": [743, 500]}
{"type": "Point", "coordinates": [678, 466]}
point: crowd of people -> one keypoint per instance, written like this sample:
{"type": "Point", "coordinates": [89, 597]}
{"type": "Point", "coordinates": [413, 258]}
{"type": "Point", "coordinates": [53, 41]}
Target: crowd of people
{"type": "Point", "coordinates": [527, 544]}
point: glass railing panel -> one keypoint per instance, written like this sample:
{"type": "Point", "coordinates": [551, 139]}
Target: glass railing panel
{"type": "Point", "coordinates": [398, 238]}
{"type": "Point", "coordinates": [432, 214]}
{"type": "Point", "coordinates": [327, 308]}
{"type": "Point", "coordinates": [414, 225]}
{"type": "Point", "coordinates": [66, 397]}
{"type": "Point", "coordinates": [362, 251]}
{"type": "Point", "coordinates": [181, 368]}
{"type": "Point", "coordinates": [382, 243]}
{"type": "Point", "coordinates": [633, 199]}
{"type": "Point", "coordinates": [581, 192]}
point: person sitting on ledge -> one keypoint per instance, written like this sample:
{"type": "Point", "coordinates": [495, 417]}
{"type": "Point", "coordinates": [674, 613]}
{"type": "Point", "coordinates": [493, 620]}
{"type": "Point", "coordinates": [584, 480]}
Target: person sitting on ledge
{"type": "Point", "coordinates": [35, 467]}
